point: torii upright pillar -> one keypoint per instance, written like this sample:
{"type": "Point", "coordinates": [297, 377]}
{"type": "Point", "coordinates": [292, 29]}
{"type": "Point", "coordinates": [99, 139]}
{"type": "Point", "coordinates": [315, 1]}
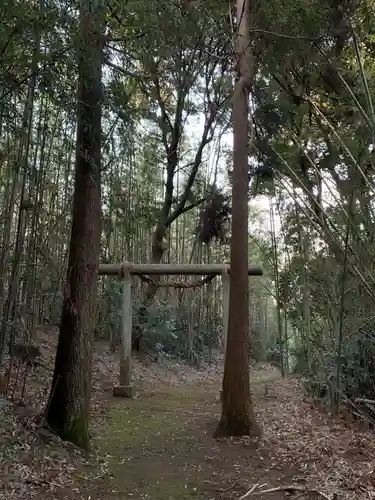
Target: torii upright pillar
{"type": "Point", "coordinates": [126, 389]}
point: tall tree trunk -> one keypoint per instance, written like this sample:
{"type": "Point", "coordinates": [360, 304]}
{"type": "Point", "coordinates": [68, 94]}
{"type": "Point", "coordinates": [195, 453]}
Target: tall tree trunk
{"type": "Point", "coordinates": [20, 181]}
{"type": "Point", "coordinates": [277, 286]}
{"type": "Point", "coordinates": [237, 417]}
{"type": "Point", "coordinates": [71, 387]}
{"type": "Point", "coordinates": [306, 298]}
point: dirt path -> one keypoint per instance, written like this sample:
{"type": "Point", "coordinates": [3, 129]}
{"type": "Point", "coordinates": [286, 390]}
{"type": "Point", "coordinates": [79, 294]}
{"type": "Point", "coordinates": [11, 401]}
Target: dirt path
{"type": "Point", "coordinates": [160, 446]}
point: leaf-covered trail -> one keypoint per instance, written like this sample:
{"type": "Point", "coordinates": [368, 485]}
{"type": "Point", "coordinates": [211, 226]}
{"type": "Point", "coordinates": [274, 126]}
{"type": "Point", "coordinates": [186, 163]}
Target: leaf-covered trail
{"type": "Point", "coordinates": [160, 446]}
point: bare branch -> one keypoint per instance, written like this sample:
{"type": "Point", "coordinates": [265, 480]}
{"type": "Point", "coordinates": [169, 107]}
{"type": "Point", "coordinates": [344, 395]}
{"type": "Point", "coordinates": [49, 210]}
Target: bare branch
{"type": "Point", "coordinates": [206, 139]}
{"type": "Point", "coordinates": [121, 70]}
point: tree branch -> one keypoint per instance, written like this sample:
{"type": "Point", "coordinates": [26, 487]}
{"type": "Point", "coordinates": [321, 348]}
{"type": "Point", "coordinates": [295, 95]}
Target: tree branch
{"type": "Point", "coordinates": [197, 162]}
{"type": "Point", "coordinates": [193, 205]}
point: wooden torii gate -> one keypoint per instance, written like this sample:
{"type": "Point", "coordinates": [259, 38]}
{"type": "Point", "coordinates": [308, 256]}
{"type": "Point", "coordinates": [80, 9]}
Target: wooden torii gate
{"type": "Point", "coordinates": [126, 270]}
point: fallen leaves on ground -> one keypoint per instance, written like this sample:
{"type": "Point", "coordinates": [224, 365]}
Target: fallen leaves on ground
{"type": "Point", "coordinates": [33, 462]}
{"type": "Point", "coordinates": [332, 456]}
{"type": "Point", "coordinates": [303, 446]}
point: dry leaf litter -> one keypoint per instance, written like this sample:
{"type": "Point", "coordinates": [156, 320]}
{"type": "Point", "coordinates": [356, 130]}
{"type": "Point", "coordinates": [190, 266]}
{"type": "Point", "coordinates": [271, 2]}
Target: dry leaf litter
{"type": "Point", "coordinates": [310, 449]}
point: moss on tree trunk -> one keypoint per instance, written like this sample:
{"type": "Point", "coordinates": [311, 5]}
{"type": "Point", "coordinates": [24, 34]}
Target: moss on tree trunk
{"type": "Point", "coordinates": [78, 431]}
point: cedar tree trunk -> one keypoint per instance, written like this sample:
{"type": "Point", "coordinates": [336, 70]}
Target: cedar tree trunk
{"type": "Point", "coordinates": [237, 417]}
{"type": "Point", "coordinates": [68, 410]}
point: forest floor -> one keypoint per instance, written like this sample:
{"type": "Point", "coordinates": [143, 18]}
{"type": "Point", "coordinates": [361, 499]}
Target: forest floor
{"type": "Point", "coordinates": [159, 446]}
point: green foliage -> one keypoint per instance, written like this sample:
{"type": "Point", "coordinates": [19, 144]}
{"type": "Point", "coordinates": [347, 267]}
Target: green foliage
{"type": "Point", "coordinates": [165, 65]}
{"type": "Point", "coordinates": [170, 331]}
{"type": "Point", "coordinates": [358, 367]}
{"type": "Point", "coordinates": [357, 379]}
{"type": "Point", "coordinates": [109, 314]}
{"type": "Point", "coordinates": [300, 356]}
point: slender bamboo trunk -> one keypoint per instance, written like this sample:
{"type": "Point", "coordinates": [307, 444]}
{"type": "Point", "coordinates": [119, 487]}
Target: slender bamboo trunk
{"type": "Point", "coordinates": [277, 290]}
